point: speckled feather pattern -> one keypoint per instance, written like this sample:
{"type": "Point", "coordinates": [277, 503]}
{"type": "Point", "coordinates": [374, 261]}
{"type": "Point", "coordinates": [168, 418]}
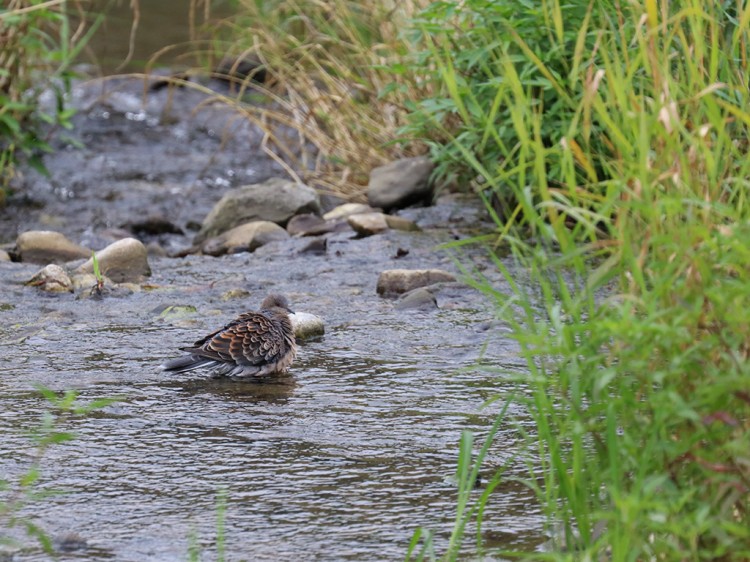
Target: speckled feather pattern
{"type": "Point", "coordinates": [253, 344]}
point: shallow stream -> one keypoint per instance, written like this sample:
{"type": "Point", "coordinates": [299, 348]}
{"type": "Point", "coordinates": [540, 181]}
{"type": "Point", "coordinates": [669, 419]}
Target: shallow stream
{"type": "Point", "coordinates": [340, 460]}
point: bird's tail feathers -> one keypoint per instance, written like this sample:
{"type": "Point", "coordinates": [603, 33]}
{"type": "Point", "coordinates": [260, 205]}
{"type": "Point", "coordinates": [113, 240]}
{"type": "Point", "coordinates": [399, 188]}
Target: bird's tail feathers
{"type": "Point", "coordinates": [187, 363]}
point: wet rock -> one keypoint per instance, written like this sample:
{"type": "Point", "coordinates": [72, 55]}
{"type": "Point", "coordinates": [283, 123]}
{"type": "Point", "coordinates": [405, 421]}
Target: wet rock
{"type": "Point", "coordinates": [418, 298]}
{"type": "Point", "coordinates": [306, 325]}
{"type": "Point", "coordinates": [244, 238]}
{"type": "Point", "coordinates": [123, 261]}
{"type": "Point", "coordinates": [153, 225]}
{"type": "Point", "coordinates": [47, 246]}
{"type": "Point", "coordinates": [52, 278]}
{"type": "Point", "coordinates": [401, 223]}
{"type": "Point", "coordinates": [87, 281]}
{"type": "Point", "coordinates": [399, 281]}
{"type": "Point", "coordinates": [367, 224]}
{"type": "Point", "coordinates": [400, 183]}
{"type": "Point", "coordinates": [317, 246]}
{"type": "Point", "coordinates": [276, 200]}
{"type": "Point", "coordinates": [156, 250]}
{"type": "Point", "coordinates": [308, 224]}
{"type": "Point", "coordinates": [4, 256]}
{"type": "Point", "coordinates": [235, 293]}
{"type": "Point", "coordinates": [343, 211]}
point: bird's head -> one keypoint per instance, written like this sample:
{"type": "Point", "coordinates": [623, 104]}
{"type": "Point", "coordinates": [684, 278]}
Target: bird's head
{"type": "Point", "coordinates": [276, 301]}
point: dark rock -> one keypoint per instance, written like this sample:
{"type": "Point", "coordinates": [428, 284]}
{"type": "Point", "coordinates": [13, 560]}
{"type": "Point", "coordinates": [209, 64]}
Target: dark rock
{"type": "Point", "coordinates": [317, 246]}
{"type": "Point", "coordinates": [46, 246]}
{"type": "Point", "coordinates": [153, 225]}
{"type": "Point", "coordinates": [399, 281]}
{"type": "Point", "coordinates": [308, 224]}
{"type": "Point", "coordinates": [276, 200]}
{"type": "Point", "coordinates": [401, 183]}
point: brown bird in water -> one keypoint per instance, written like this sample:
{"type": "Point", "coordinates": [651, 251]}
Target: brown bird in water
{"type": "Point", "coordinates": [252, 345]}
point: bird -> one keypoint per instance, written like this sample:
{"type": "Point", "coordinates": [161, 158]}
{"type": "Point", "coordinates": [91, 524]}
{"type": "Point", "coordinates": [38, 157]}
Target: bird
{"type": "Point", "coordinates": [254, 344]}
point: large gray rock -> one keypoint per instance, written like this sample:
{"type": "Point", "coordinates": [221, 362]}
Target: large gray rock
{"type": "Point", "coordinates": [276, 200]}
{"type": "Point", "coordinates": [399, 281]}
{"type": "Point", "coordinates": [47, 246]}
{"type": "Point", "coordinates": [400, 183]}
{"type": "Point", "coordinates": [52, 278]}
{"type": "Point", "coordinates": [244, 238]}
{"type": "Point", "coordinates": [123, 261]}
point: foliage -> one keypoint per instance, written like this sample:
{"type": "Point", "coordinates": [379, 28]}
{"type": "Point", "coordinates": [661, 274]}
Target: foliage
{"type": "Point", "coordinates": [37, 47]}
{"type": "Point", "coordinates": [617, 137]}
{"type": "Point", "coordinates": [337, 80]}
{"type": "Point", "coordinates": [48, 434]}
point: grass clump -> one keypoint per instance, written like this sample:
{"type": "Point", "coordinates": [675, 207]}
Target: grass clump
{"type": "Point", "coordinates": [611, 148]}
{"type": "Point", "coordinates": [337, 77]}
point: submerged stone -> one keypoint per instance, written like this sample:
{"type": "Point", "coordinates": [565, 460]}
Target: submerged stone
{"type": "Point", "coordinates": [399, 281]}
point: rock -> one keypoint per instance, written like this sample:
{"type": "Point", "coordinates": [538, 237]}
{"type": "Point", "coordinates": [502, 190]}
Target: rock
{"type": "Point", "coordinates": [367, 224]}
{"type": "Point", "coordinates": [4, 256]}
{"type": "Point", "coordinates": [308, 224]}
{"type": "Point", "coordinates": [418, 298]}
{"type": "Point", "coordinates": [123, 261]}
{"type": "Point", "coordinates": [400, 183]}
{"type": "Point", "coordinates": [153, 225]}
{"type": "Point", "coordinates": [317, 246]}
{"type": "Point", "coordinates": [343, 211]}
{"type": "Point", "coordinates": [401, 223]}
{"type": "Point", "coordinates": [52, 278]}
{"type": "Point", "coordinates": [235, 293]}
{"type": "Point", "coordinates": [276, 200]}
{"type": "Point", "coordinates": [399, 281]}
{"type": "Point", "coordinates": [47, 246]}
{"type": "Point", "coordinates": [87, 281]}
{"type": "Point", "coordinates": [306, 325]}
{"type": "Point", "coordinates": [244, 238]}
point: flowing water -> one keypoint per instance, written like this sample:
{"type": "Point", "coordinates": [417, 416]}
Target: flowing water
{"type": "Point", "coordinates": [340, 460]}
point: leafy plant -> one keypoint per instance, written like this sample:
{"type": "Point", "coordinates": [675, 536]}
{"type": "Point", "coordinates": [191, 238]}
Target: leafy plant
{"type": "Point", "coordinates": [22, 492]}
{"type": "Point", "coordinates": [37, 46]}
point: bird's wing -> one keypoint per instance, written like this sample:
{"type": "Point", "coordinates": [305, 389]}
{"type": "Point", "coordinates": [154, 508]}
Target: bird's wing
{"type": "Point", "coordinates": [251, 339]}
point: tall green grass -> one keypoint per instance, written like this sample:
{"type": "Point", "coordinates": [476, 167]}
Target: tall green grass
{"type": "Point", "coordinates": [615, 164]}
